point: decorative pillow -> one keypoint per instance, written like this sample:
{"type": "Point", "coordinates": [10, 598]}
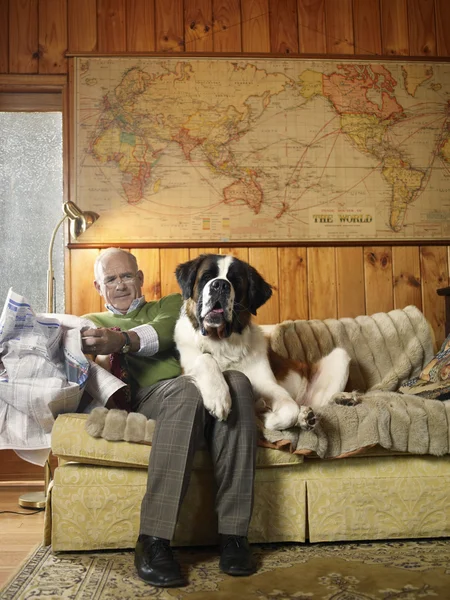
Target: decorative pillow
{"type": "Point", "coordinates": [434, 380]}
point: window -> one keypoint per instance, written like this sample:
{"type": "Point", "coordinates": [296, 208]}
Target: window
{"type": "Point", "coordinates": [31, 196]}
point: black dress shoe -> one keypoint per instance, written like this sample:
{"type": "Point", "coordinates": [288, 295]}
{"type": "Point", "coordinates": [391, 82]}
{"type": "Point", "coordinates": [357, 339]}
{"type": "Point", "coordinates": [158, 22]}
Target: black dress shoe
{"type": "Point", "coordinates": [235, 555]}
{"type": "Point", "coordinates": [155, 563]}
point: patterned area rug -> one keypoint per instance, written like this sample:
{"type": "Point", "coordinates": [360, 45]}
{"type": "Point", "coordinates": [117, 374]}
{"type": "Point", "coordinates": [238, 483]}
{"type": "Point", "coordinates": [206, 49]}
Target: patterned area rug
{"type": "Point", "coordinates": [406, 570]}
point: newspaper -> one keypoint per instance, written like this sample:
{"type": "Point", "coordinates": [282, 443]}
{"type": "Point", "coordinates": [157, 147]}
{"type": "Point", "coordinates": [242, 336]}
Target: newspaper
{"type": "Point", "coordinates": [43, 373]}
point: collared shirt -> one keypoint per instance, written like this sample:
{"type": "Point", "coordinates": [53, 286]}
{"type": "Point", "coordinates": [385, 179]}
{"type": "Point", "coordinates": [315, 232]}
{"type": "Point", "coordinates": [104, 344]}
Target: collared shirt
{"type": "Point", "coordinates": [149, 343]}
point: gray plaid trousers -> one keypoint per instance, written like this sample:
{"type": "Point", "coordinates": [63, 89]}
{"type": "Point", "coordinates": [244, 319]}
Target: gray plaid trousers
{"type": "Point", "coordinates": [183, 425]}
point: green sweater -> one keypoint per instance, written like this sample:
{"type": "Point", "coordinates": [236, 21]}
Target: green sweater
{"type": "Point", "coordinates": [162, 316]}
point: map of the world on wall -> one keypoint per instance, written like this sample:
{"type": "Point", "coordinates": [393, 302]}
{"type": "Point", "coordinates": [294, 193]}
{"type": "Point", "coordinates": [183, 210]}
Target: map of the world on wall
{"type": "Point", "coordinates": [277, 150]}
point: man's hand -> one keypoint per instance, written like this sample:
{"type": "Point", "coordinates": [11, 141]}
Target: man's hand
{"type": "Point", "coordinates": [104, 340]}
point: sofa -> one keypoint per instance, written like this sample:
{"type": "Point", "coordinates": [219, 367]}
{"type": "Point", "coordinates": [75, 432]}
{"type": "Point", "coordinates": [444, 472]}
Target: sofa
{"type": "Point", "coordinates": [376, 470]}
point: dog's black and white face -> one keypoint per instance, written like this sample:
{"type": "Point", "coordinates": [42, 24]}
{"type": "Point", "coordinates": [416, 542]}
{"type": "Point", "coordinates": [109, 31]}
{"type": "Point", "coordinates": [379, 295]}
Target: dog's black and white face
{"type": "Point", "coordinates": [221, 293]}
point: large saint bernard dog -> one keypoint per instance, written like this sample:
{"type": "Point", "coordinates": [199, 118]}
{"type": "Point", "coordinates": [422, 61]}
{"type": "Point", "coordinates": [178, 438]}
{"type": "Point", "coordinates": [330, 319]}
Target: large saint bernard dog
{"type": "Point", "coordinates": [214, 333]}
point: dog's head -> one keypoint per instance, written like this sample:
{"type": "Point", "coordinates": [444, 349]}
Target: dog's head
{"type": "Point", "coordinates": [221, 293]}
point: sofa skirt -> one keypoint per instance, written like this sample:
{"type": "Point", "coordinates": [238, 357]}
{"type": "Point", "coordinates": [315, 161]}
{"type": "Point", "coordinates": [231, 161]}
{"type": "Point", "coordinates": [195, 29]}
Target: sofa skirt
{"type": "Point", "coordinates": [91, 507]}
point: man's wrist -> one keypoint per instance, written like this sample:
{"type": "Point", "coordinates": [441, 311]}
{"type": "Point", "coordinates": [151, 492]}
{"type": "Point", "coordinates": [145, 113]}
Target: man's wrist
{"type": "Point", "coordinates": [127, 343]}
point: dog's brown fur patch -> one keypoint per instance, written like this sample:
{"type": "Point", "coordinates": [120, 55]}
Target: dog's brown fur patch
{"type": "Point", "coordinates": [281, 366]}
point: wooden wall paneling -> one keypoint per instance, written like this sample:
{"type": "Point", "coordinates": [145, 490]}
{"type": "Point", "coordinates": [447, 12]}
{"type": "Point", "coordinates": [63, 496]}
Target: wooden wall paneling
{"type": "Point", "coordinates": [14, 468]}
{"type": "Point", "coordinates": [442, 8]}
{"type": "Point", "coordinates": [322, 282]}
{"type": "Point", "coordinates": [82, 25]}
{"type": "Point", "coordinates": [23, 36]}
{"type": "Point", "coordinates": [394, 27]}
{"type": "Point", "coordinates": [227, 36]}
{"type": "Point", "coordinates": [265, 261]}
{"type": "Point", "coordinates": [311, 26]}
{"type": "Point", "coordinates": [4, 36]}
{"type": "Point", "coordinates": [339, 20]}
{"type": "Point", "coordinates": [422, 28]}
{"type": "Point", "coordinates": [111, 29]}
{"type": "Point", "coordinates": [367, 26]}
{"type": "Point", "coordinates": [350, 281]}
{"type": "Point", "coordinates": [198, 31]}
{"type": "Point", "coordinates": [194, 252]}
{"type": "Point", "coordinates": [293, 283]}
{"type": "Point", "coordinates": [140, 25]}
{"type": "Point", "coordinates": [241, 253]}
{"type": "Point", "coordinates": [378, 279]}
{"type": "Point", "coordinates": [283, 26]}
{"type": "Point", "coordinates": [434, 268]}
{"type": "Point", "coordinates": [406, 276]}
{"type": "Point", "coordinates": [52, 36]}
{"type": "Point", "coordinates": [84, 297]}
{"type": "Point", "coordinates": [170, 258]}
{"type": "Point", "coordinates": [255, 25]}
{"type": "Point", "coordinates": [148, 261]}
{"type": "Point", "coordinates": [169, 25]}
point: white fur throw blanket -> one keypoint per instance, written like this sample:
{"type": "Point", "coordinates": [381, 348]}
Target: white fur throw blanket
{"type": "Point", "coordinates": [386, 349]}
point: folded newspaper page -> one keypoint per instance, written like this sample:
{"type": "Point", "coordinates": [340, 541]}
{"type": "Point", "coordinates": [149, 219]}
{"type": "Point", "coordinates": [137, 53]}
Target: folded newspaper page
{"type": "Point", "coordinates": [43, 373]}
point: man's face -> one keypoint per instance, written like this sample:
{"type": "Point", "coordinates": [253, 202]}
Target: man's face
{"type": "Point", "coordinates": [119, 283]}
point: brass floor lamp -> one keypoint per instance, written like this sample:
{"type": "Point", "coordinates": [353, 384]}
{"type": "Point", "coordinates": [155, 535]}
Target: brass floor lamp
{"type": "Point", "coordinates": [79, 222]}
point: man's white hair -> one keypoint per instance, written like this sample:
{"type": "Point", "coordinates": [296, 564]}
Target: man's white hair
{"type": "Point", "coordinates": [105, 253]}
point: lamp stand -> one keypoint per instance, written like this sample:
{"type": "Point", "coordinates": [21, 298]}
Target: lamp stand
{"type": "Point", "coordinates": [80, 221]}
{"type": "Point", "coordinates": [37, 499]}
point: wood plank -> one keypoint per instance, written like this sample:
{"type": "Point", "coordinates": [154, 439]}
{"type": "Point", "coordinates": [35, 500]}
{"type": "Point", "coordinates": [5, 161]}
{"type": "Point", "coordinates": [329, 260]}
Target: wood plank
{"type": "Point", "coordinates": [169, 33]}
{"type": "Point", "coordinates": [20, 532]}
{"type": "Point", "coordinates": [255, 25]}
{"type": "Point", "coordinates": [293, 283]}
{"type": "Point", "coordinates": [52, 36]}
{"type": "Point", "coordinates": [443, 27]}
{"type": "Point", "coordinates": [82, 25]}
{"type": "Point", "coordinates": [434, 269]}
{"type": "Point", "coordinates": [422, 28]}
{"type": "Point", "coordinates": [28, 101]}
{"type": "Point", "coordinates": [4, 36]}
{"type": "Point", "coordinates": [378, 279]}
{"type": "Point", "coordinates": [170, 259]}
{"type": "Point", "coordinates": [322, 283]}
{"type": "Point", "coordinates": [311, 24]}
{"type": "Point", "coordinates": [241, 253]}
{"type": "Point", "coordinates": [227, 35]}
{"type": "Point", "coordinates": [15, 468]}
{"type": "Point", "coordinates": [339, 22]}
{"type": "Point", "coordinates": [394, 27]}
{"type": "Point", "coordinates": [85, 298]}
{"type": "Point", "coordinates": [194, 252]}
{"type": "Point", "coordinates": [198, 21]}
{"type": "Point", "coordinates": [140, 25]}
{"type": "Point", "coordinates": [23, 36]}
{"type": "Point", "coordinates": [264, 260]}
{"type": "Point", "coordinates": [367, 26]}
{"type": "Point", "coordinates": [283, 27]}
{"type": "Point", "coordinates": [111, 26]}
{"type": "Point", "coordinates": [406, 276]}
{"type": "Point", "coordinates": [148, 262]}
{"type": "Point", "coordinates": [350, 282]}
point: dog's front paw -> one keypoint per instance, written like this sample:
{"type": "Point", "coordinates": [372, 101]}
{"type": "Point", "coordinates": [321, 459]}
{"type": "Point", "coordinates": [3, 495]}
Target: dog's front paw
{"type": "Point", "coordinates": [218, 402]}
{"type": "Point", "coordinates": [347, 398]}
{"type": "Point", "coordinates": [307, 418]}
{"type": "Point", "coordinates": [282, 418]}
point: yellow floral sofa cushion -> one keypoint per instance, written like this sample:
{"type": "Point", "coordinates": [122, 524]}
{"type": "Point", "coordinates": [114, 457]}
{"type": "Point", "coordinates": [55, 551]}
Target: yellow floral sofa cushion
{"type": "Point", "coordinates": [70, 442]}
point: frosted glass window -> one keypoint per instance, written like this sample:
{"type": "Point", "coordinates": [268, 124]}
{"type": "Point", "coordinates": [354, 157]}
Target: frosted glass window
{"type": "Point", "coordinates": [31, 196]}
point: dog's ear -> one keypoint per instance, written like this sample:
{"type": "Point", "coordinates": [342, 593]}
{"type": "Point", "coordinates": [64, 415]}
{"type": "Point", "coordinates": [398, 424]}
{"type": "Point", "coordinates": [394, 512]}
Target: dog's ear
{"type": "Point", "coordinates": [259, 291]}
{"type": "Point", "coordinates": [186, 274]}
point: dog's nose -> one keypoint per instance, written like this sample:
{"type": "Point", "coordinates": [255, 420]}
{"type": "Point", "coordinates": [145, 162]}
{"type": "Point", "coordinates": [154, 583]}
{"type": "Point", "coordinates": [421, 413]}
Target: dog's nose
{"type": "Point", "coordinates": [220, 285]}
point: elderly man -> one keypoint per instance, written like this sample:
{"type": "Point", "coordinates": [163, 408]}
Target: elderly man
{"type": "Point", "coordinates": [143, 332]}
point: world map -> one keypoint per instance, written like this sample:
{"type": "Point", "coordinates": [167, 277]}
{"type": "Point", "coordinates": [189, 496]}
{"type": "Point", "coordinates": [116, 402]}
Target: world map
{"type": "Point", "coordinates": [174, 149]}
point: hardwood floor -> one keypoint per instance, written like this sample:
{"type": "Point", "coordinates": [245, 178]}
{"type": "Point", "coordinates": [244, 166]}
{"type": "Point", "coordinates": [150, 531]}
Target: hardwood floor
{"type": "Point", "coordinates": [19, 534]}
